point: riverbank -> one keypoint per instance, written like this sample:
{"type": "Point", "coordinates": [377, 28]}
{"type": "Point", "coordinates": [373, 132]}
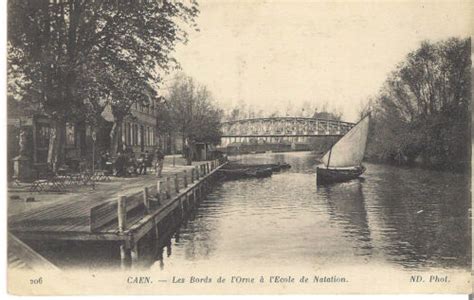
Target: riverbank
{"type": "Point", "coordinates": [463, 167]}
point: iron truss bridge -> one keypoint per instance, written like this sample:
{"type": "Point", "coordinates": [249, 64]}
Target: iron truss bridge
{"type": "Point", "coordinates": [279, 129]}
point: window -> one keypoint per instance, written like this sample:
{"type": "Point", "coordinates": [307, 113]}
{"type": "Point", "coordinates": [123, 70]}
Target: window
{"type": "Point", "coordinates": [147, 132]}
{"type": "Point", "coordinates": [135, 134]}
{"type": "Point", "coordinates": [125, 133]}
{"type": "Point", "coordinates": [139, 135]}
{"type": "Point", "coordinates": [42, 135]}
{"type": "Point", "coordinates": [150, 133]}
{"type": "Point", "coordinates": [128, 129]}
{"type": "Point", "coordinates": [149, 137]}
{"type": "Point", "coordinates": [70, 135]}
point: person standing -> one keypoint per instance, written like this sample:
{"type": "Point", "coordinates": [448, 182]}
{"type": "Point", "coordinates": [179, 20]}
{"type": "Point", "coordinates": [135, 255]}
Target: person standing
{"type": "Point", "coordinates": [104, 158]}
{"type": "Point", "coordinates": [160, 157]}
{"type": "Point", "coordinates": [143, 162]}
{"type": "Point", "coordinates": [120, 165]}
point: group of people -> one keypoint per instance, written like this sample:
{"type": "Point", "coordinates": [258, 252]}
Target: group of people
{"type": "Point", "coordinates": [126, 163]}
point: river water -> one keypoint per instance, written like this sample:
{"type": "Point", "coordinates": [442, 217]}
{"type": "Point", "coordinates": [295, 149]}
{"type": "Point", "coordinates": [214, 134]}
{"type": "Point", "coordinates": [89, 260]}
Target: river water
{"type": "Point", "coordinates": [403, 218]}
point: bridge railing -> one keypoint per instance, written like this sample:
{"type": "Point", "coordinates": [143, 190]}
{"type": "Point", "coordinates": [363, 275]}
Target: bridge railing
{"type": "Point", "coordinates": [285, 127]}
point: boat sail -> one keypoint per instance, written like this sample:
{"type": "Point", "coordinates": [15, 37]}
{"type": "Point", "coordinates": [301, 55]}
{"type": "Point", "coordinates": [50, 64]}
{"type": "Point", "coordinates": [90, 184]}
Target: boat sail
{"type": "Point", "coordinates": [343, 161]}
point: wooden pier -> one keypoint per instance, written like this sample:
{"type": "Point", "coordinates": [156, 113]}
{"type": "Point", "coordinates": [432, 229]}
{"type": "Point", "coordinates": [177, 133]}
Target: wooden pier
{"type": "Point", "coordinates": [125, 219]}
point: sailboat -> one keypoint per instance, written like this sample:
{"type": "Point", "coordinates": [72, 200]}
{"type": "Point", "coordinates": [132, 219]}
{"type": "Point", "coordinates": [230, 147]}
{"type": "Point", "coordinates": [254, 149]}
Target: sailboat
{"type": "Point", "coordinates": [343, 161]}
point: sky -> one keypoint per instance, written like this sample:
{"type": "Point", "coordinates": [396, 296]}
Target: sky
{"type": "Point", "coordinates": [279, 54]}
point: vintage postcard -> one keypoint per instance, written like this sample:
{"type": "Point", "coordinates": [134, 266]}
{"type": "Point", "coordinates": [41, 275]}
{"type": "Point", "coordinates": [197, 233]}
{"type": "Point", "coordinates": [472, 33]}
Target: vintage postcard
{"type": "Point", "coordinates": [169, 147]}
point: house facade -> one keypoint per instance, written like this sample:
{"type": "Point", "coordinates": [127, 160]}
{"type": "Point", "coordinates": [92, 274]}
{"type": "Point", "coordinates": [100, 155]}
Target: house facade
{"type": "Point", "coordinates": [139, 129]}
{"type": "Point", "coordinates": [81, 141]}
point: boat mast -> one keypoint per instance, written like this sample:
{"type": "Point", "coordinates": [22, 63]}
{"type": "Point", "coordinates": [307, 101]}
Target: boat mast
{"type": "Point", "coordinates": [329, 157]}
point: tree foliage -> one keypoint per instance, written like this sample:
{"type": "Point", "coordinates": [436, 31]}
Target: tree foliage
{"type": "Point", "coordinates": [190, 112]}
{"type": "Point", "coordinates": [307, 109]}
{"type": "Point", "coordinates": [74, 57]}
{"type": "Point", "coordinates": [422, 112]}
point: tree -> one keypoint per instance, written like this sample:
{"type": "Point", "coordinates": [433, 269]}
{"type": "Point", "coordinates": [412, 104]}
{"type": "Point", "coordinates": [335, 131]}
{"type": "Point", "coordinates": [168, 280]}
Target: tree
{"type": "Point", "coordinates": [115, 47]}
{"type": "Point", "coordinates": [193, 114]}
{"type": "Point", "coordinates": [323, 112]}
{"type": "Point", "coordinates": [422, 111]}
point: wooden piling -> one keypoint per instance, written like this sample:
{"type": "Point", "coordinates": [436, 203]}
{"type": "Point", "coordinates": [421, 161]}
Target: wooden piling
{"type": "Point", "coordinates": [134, 254]}
{"type": "Point", "coordinates": [185, 178]}
{"type": "Point", "coordinates": [208, 168]}
{"type": "Point", "coordinates": [122, 213]}
{"type": "Point", "coordinates": [155, 227]}
{"type": "Point", "coordinates": [168, 188]}
{"type": "Point", "coordinates": [187, 201]}
{"type": "Point", "coordinates": [197, 173]}
{"type": "Point", "coordinates": [181, 205]}
{"type": "Point", "coordinates": [124, 257]}
{"type": "Point", "coordinates": [176, 183]}
{"type": "Point", "coordinates": [192, 175]}
{"type": "Point", "coordinates": [146, 201]}
{"type": "Point", "coordinates": [159, 191]}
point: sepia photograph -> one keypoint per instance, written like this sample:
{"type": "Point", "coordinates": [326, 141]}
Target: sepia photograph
{"type": "Point", "coordinates": [169, 147]}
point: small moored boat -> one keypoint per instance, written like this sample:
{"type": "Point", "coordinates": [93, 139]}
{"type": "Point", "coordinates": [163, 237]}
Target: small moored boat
{"type": "Point", "coordinates": [275, 167]}
{"type": "Point", "coordinates": [245, 173]}
{"type": "Point", "coordinates": [343, 161]}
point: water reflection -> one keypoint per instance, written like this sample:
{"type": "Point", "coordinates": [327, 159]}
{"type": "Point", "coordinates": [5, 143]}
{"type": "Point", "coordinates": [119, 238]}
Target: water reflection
{"type": "Point", "coordinates": [404, 218]}
{"type": "Point", "coordinates": [421, 216]}
{"type": "Point", "coordinates": [407, 218]}
{"type": "Point", "coordinates": [346, 205]}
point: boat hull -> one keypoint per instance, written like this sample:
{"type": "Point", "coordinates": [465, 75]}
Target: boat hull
{"type": "Point", "coordinates": [329, 175]}
{"type": "Point", "coordinates": [275, 167]}
{"type": "Point", "coordinates": [245, 173]}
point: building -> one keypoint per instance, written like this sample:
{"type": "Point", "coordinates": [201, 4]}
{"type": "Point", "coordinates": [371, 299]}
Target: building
{"type": "Point", "coordinates": [81, 141]}
{"type": "Point", "coordinates": [139, 129]}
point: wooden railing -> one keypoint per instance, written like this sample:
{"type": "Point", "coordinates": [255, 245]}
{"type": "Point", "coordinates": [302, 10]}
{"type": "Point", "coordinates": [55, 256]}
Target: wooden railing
{"type": "Point", "coordinates": [105, 213]}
